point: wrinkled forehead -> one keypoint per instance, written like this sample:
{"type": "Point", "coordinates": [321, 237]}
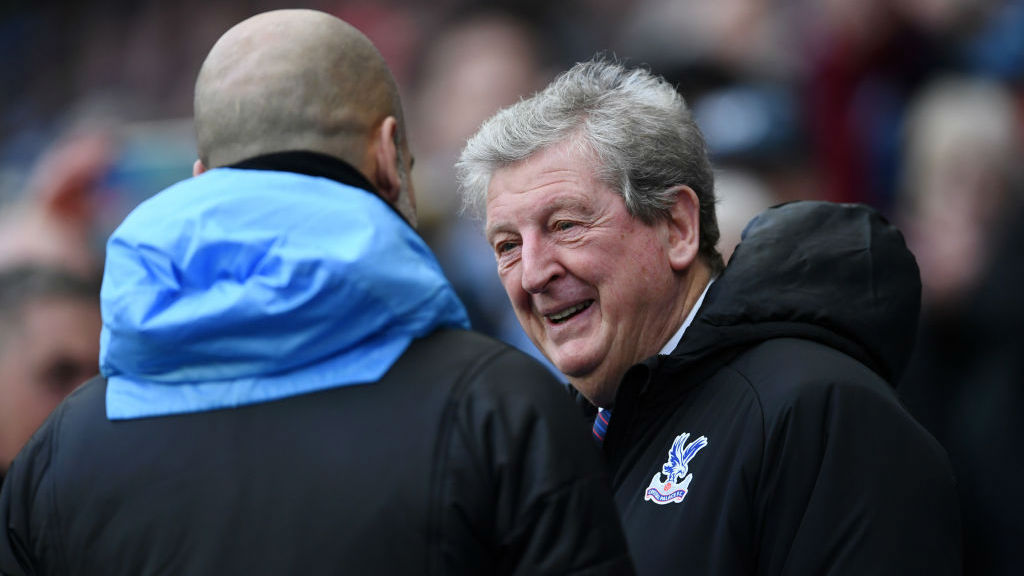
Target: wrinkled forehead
{"type": "Point", "coordinates": [549, 184]}
{"type": "Point", "coordinates": [560, 161]}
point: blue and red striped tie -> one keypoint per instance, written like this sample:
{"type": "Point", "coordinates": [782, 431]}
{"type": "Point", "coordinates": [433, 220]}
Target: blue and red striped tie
{"type": "Point", "coordinates": [601, 425]}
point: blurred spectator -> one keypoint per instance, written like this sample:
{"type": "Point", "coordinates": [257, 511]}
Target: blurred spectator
{"type": "Point", "coordinates": [84, 184]}
{"type": "Point", "coordinates": [49, 344]}
{"type": "Point", "coordinates": [51, 221]}
{"type": "Point", "coordinates": [869, 60]}
{"type": "Point", "coordinates": [754, 124]}
{"type": "Point", "coordinates": [481, 62]}
{"type": "Point", "coordinates": [960, 182]}
{"type": "Point", "coordinates": [727, 39]}
{"type": "Point", "coordinates": [962, 206]}
{"type": "Point", "coordinates": [396, 28]}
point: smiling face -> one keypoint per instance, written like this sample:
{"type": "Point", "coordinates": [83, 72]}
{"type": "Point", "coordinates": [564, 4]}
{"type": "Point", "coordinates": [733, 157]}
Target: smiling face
{"type": "Point", "coordinates": [594, 288]}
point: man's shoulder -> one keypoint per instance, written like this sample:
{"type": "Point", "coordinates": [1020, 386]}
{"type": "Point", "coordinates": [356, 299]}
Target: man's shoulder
{"type": "Point", "coordinates": [33, 467]}
{"type": "Point", "coordinates": [477, 361]}
{"type": "Point", "coordinates": [806, 385]}
{"type": "Point", "coordinates": [462, 346]}
{"type": "Point", "coordinates": [484, 378]}
{"type": "Point", "coordinates": [89, 394]}
{"type": "Point", "coordinates": [85, 406]}
{"type": "Point", "coordinates": [774, 375]}
{"type": "Point", "coordinates": [783, 372]}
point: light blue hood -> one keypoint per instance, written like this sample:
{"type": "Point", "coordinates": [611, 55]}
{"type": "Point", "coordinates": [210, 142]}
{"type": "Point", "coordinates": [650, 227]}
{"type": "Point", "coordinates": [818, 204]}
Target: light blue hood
{"type": "Point", "coordinates": [244, 286]}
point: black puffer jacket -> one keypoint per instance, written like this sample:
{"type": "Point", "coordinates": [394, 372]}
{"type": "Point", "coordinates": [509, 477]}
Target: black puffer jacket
{"type": "Point", "coordinates": [465, 458]}
{"type": "Point", "coordinates": [771, 441]}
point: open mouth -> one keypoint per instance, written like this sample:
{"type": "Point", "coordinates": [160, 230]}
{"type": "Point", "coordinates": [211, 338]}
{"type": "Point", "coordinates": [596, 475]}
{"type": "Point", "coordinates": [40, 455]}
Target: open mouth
{"type": "Point", "coordinates": [563, 315]}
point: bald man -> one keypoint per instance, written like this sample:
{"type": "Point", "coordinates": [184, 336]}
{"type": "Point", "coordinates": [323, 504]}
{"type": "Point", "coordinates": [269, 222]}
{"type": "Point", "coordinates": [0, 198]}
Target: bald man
{"type": "Point", "coordinates": [288, 383]}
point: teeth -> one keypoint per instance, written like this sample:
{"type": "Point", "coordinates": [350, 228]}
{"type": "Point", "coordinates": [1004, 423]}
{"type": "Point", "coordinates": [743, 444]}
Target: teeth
{"type": "Point", "coordinates": [558, 317]}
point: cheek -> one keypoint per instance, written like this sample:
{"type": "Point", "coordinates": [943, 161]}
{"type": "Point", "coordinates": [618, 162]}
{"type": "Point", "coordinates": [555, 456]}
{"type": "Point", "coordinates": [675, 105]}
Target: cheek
{"type": "Point", "coordinates": [24, 400]}
{"type": "Point", "coordinates": [14, 375]}
{"type": "Point", "coordinates": [510, 281]}
{"type": "Point", "coordinates": [636, 283]}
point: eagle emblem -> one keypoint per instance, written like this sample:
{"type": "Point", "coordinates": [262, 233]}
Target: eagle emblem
{"type": "Point", "coordinates": [671, 484]}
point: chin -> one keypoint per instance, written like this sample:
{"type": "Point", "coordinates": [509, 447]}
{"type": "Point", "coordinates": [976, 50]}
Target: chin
{"type": "Point", "coordinates": [574, 359]}
{"type": "Point", "coordinates": [575, 369]}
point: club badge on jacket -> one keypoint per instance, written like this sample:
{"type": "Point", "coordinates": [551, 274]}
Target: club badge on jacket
{"type": "Point", "coordinates": [671, 484]}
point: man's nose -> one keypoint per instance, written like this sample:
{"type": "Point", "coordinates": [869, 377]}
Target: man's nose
{"type": "Point", "coordinates": [540, 266]}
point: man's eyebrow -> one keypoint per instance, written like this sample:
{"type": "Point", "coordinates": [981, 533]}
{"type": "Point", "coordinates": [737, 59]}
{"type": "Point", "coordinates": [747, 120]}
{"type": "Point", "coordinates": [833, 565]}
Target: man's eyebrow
{"type": "Point", "coordinates": [576, 205]}
{"type": "Point", "coordinates": [491, 230]}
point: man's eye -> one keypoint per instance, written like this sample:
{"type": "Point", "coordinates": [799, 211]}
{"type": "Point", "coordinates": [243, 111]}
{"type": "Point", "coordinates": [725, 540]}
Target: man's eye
{"type": "Point", "coordinates": [563, 225]}
{"type": "Point", "coordinates": [63, 374]}
{"type": "Point", "coordinates": [503, 247]}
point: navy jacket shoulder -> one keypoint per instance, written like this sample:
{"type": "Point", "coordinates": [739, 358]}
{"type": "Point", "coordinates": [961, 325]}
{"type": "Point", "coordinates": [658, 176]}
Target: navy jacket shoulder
{"type": "Point", "coordinates": [771, 441]}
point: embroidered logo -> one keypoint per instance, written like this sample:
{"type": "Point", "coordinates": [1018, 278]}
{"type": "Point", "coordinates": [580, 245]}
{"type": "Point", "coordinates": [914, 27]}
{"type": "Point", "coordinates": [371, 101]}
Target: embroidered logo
{"type": "Point", "coordinates": [677, 479]}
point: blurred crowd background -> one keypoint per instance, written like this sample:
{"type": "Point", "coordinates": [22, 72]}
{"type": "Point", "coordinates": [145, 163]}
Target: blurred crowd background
{"type": "Point", "coordinates": [912, 106]}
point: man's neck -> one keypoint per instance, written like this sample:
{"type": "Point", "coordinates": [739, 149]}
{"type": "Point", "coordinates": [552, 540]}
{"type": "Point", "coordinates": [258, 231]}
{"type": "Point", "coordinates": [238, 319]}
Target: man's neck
{"type": "Point", "coordinates": [691, 313]}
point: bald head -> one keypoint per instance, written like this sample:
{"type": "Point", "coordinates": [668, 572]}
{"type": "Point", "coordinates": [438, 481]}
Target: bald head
{"type": "Point", "coordinates": [292, 80]}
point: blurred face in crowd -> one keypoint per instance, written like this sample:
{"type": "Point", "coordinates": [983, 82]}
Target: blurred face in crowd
{"type": "Point", "coordinates": [593, 287]}
{"type": "Point", "coordinates": [52, 347]}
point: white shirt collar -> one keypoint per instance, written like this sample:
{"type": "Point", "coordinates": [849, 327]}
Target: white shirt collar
{"type": "Point", "coordinates": [674, 340]}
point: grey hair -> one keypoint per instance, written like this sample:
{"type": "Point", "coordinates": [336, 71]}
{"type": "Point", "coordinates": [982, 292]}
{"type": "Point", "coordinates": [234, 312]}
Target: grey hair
{"type": "Point", "coordinates": [634, 124]}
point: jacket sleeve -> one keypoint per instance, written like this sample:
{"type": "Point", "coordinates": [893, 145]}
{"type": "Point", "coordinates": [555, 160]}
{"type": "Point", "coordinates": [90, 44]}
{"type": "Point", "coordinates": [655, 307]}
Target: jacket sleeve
{"type": "Point", "coordinates": [851, 484]}
{"type": "Point", "coordinates": [26, 515]}
{"type": "Point", "coordinates": [520, 450]}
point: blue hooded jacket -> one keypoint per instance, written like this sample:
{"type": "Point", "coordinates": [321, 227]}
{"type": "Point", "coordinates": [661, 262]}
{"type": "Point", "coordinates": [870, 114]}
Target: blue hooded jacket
{"type": "Point", "coordinates": [242, 286]}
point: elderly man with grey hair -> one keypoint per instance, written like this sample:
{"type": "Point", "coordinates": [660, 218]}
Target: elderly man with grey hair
{"type": "Point", "coordinates": [747, 412]}
{"type": "Point", "coordinates": [288, 383]}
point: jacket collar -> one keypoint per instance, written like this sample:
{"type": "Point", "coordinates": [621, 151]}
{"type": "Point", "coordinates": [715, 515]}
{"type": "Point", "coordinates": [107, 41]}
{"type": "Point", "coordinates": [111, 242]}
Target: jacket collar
{"type": "Point", "coordinates": [313, 164]}
{"type": "Point", "coordinates": [310, 164]}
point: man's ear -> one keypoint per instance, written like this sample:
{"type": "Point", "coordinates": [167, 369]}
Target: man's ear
{"type": "Point", "coordinates": [198, 168]}
{"type": "Point", "coordinates": [683, 229]}
{"type": "Point", "coordinates": [385, 152]}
